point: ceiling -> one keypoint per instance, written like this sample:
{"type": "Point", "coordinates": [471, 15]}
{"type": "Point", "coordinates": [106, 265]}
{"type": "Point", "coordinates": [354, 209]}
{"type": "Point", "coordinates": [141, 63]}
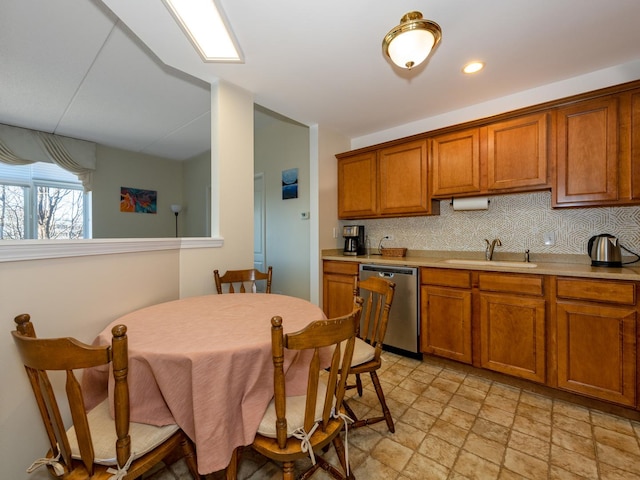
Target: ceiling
{"type": "Point", "coordinates": [114, 72]}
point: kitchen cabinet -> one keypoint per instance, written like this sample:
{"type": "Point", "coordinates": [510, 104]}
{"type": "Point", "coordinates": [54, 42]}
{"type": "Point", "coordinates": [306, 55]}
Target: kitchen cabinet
{"type": "Point", "coordinates": [501, 157]}
{"type": "Point", "coordinates": [385, 182]}
{"type": "Point", "coordinates": [512, 324]}
{"type": "Point", "coordinates": [445, 318]}
{"type": "Point", "coordinates": [597, 338]}
{"type": "Point", "coordinates": [598, 152]}
{"type": "Point", "coordinates": [338, 287]}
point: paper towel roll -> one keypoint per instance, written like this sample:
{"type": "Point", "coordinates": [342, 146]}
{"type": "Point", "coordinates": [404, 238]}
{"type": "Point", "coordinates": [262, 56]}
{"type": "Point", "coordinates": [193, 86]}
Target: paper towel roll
{"type": "Point", "coordinates": [473, 203]}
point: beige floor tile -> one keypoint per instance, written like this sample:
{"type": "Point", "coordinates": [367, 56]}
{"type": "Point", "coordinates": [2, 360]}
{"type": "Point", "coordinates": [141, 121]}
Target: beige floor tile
{"type": "Point", "coordinates": [407, 435]}
{"type": "Point", "coordinates": [525, 465]}
{"type": "Point", "coordinates": [617, 440]}
{"type": "Point", "coordinates": [484, 448]}
{"type": "Point", "coordinates": [503, 403]}
{"type": "Point", "coordinates": [479, 383]}
{"type": "Point", "coordinates": [392, 454]}
{"type": "Point", "coordinates": [458, 417]}
{"type": "Point", "coordinates": [539, 415]}
{"type": "Point", "coordinates": [476, 468]}
{"type": "Point", "coordinates": [573, 462]}
{"type": "Point", "coordinates": [611, 422]}
{"type": "Point", "coordinates": [571, 410]}
{"type": "Point", "coordinates": [490, 430]}
{"type": "Point", "coordinates": [465, 404]}
{"type": "Point", "coordinates": [423, 468]}
{"type": "Point", "coordinates": [446, 384]}
{"type": "Point", "coordinates": [571, 425]}
{"type": "Point", "coordinates": [532, 427]}
{"type": "Point", "coordinates": [530, 445]}
{"type": "Point", "coordinates": [471, 393]}
{"type": "Point", "coordinates": [373, 469]}
{"type": "Point", "coordinates": [496, 415]}
{"type": "Point", "coordinates": [506, 391]}
{"type": "Point", "coordinates": [449, 432]}
{"type": "Point", "coordinates": [575, 443]}
{"type": "Point", "coordinates": [418, 419]}
{"type": "Point", "coordinates": [429, 405]}
{"type": "Point", "coordinates": [439, 450]}
{"type": "Point", "coordinates": [618, 458]}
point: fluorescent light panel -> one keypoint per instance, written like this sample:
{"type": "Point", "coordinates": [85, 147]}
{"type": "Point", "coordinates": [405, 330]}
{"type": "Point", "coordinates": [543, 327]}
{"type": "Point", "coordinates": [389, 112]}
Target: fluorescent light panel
{"type": "Point", "coordinates": [204, 23]}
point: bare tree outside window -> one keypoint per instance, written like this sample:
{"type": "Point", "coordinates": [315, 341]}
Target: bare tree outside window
{"type": "Point", "coordinates": [59, 212]}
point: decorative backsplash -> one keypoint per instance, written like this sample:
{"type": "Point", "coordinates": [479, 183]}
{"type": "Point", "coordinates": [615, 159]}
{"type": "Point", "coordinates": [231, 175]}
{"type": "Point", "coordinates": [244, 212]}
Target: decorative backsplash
{"type": "Point", "coordinates": [519, 221]}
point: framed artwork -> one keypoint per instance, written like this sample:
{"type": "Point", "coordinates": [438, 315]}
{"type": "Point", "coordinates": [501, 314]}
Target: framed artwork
{"type": "Point", "coordinates": [290, 183]}
{"type": "Point", "coordinates": [137, 200]}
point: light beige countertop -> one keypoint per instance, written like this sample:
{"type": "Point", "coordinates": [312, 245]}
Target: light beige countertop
{"type": "Point", "coordinates": [546, 264]}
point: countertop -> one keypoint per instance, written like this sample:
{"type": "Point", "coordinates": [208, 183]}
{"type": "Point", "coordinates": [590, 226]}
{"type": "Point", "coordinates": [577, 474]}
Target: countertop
{"type": "Point", "coordinates": [547, 264]}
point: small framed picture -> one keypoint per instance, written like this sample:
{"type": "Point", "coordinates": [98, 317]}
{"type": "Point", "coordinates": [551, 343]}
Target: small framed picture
{"type": "Point", "coordinates": [290, 183]}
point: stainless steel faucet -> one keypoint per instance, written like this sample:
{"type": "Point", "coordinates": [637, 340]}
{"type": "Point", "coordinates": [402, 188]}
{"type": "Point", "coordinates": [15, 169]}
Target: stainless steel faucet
{"type": "Point", "coordinates": [488, 252]}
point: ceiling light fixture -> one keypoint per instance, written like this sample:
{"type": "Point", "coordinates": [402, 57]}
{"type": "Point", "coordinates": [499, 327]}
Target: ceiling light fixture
{"type": "Point", "coordinates": [411, 42]}
{"type": "Point", "coordinates": [205, 25]}
{"type": "Point", "coordinates": [473, 67]}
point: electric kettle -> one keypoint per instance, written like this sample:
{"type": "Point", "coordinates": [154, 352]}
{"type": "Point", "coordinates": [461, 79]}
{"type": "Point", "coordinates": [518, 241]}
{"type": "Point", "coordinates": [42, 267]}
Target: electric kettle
{"type": "Point", "coordinates": [604, 251]}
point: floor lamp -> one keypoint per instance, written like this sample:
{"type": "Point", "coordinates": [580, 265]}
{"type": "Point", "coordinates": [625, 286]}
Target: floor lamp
{"type": "Point", "coordinates": [176, 208]}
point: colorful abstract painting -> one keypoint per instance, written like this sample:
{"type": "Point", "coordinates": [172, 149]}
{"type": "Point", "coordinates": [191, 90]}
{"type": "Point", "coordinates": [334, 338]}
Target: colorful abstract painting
{"type": "Point", "coordinates": [137, 200]}
{"type": "Point", "coordinates": [290, 183]}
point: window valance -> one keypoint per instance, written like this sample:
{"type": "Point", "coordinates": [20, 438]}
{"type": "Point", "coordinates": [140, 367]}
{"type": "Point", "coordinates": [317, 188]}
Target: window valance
{"type": "Point", "coordinates": [21, 146]}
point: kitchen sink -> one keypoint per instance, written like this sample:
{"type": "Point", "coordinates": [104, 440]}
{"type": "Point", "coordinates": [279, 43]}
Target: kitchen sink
{"type": "Point", "coordinates": [494, 263]}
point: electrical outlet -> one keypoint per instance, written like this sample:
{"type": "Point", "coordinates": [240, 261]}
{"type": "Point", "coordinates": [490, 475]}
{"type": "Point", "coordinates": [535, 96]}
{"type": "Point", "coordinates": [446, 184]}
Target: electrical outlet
{"type": "Point", "coordinates": [549, 238]}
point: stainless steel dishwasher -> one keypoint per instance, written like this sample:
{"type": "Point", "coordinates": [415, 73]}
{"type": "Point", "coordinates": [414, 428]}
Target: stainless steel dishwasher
{"type": "Point", "coordinates": [403, 328]}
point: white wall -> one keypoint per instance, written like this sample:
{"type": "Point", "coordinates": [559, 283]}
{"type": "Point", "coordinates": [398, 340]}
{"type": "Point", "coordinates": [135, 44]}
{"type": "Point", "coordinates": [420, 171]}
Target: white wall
{"type": "Point", "coordinates": [281, 144]}
{"type": "Point", "coordinates": [120, 168]}
{"type": "Point", "coordinates": [195, 219]}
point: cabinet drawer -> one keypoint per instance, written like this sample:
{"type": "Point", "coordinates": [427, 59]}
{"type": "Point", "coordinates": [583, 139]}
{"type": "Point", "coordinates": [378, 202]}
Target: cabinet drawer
{"type": "Point", "coordinates": [445, 277]}
{"type": "Point", "coordinates": [597, 290]}
{"type": "Point", "coordinates": [494, 282]}
{"type": "Point", "coordinates": [344, 268]}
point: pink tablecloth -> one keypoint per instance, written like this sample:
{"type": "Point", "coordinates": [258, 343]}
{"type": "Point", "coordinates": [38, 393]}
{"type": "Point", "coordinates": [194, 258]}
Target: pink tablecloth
{"type": "Point", "coordinates": [205, 364]}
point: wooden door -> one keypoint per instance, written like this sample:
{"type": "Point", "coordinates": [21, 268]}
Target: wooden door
{"type": "Point", "coordinates": [455, 163]}
{"type": "Point", "coordinates": [402, 177]}
{"type": "Point", "coordinates": [587, 153]}
{"type": "Point", "coordinates": [446, 322]}
{"type": "Point", "coordinates": [357, 186]}
{"type": "Point", "coordinates": [512, 335]}
{"type": "Point", "coordinates": [517, 152]}
{"type": "Point", "coordinates": [597, 351]}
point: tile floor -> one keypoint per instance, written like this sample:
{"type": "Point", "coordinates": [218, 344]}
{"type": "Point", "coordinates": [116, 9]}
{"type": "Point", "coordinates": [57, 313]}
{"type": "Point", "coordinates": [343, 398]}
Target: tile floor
{"type": "Point", "coordinates": [451, 424]}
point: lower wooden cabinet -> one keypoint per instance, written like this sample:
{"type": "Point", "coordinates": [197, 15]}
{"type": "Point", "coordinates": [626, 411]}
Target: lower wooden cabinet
{"type": "Point", "coordinates": [338, 286]}
{"type": "Point", "coordinates": [597, 339]}
{"type": "Point", "coordinates": [512, 335]}
{"type": "Point", "coordinates": [446, 313]}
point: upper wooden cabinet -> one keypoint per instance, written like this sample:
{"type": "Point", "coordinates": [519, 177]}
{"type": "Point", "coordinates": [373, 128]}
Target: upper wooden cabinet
{"type": "Point", "coordinates": [387, 182]}
{"type": "Point", "coordinates": [598, 152]}
{"type": "Point", "coordinates": [507, 156]}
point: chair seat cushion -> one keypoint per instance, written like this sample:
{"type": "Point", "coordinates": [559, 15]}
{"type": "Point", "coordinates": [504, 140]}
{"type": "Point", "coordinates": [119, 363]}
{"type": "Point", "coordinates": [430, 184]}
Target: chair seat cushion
{"type": "Point", "coordinates": [295, 407]}
{"type": "Point", "coordinates": [362, 352]}
{"type": "Point", "coordinates": [144, 438]}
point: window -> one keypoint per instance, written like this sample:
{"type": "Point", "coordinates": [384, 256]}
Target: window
{"type": "Point", "coordinates": [42, 201]}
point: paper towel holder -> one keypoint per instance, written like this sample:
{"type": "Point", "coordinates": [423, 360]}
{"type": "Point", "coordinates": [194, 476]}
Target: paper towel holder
{"type": "Point", "coordinates": [451, 202]}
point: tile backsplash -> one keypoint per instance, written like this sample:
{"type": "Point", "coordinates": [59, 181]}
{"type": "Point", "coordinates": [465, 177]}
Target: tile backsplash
{"type": "Point", "coordinates": [519, 221]}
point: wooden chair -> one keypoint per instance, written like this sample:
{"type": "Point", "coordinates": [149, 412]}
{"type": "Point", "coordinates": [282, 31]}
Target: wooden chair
{"type": "Point", "coordinates": [378, 297]}
{"type": "Point", "coordinates": [96, 446]}
{"type": "Point", "coordinates": [313, 416]}
{"type": "Point", "coordinates": [241, 279]}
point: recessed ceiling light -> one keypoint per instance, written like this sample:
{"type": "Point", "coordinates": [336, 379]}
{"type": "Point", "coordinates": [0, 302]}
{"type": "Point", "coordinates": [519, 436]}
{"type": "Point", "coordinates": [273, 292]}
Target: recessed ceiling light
{"type": "Point", "coordinates": [473, 67]}
{"type": "Point", "coordinates": [203, 21]}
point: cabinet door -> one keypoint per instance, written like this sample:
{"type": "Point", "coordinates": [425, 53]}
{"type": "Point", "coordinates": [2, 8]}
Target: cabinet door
{"type": "Point", "coordinates": [512, 335]}
{"type": "Point", "coordinates": [455, 163]}
{"type": "Point", "coordinates": [517, 153]}
{"type": "Point", "coordinates": [446, 322]}
{"type": "Point", "coordinates": [402, 178]}
{"type": "Point", "coordinates": [587, 153]}
{"type": "Point", "coordinates": [597, 351]}
{"type": "Point", "coordinates": [357, 186]}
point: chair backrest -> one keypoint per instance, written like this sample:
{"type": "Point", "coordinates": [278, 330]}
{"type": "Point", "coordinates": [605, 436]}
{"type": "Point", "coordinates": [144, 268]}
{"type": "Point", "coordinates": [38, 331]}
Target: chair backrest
{"type": "Point", "coordinates": [378, 296]}
{"type": "Point", "coordinates": [322, 337]}
{"type": "Point", "coordinates": [242, 281]}
{"type": "Point", "coordinates": [41, 355]}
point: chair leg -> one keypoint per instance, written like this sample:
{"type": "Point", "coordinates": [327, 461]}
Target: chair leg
{"type": "Point", "coordinates": [338, 444]}
{"type": "Point", "coordinates": [232, 469]}
{"type": "Point", "coordinates": [383, 403]}
{"type": "Point", "coordinates": [190, 457]}
{"type": "Point", "coordinates": [287, 471]}
{"type": "Point", "coordinates": [359, 384]}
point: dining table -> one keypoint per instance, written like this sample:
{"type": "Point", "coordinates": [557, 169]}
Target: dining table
{"type": "Point", "coordinates": [205, 364]}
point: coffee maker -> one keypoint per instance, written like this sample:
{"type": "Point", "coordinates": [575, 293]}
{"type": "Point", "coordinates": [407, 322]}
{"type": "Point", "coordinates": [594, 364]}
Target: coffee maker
{"type": "Point", "coordinates": [353, 240]}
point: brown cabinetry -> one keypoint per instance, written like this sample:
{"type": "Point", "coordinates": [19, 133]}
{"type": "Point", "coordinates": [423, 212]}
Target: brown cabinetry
{"type": "Point", "coordinates": [501, 157]}
{"type": "Point", "coordinates": [446, 313]}
{"type": "Point", "coordinates": [512, 325]}
{"type": "Point", "coordinates": [338, 286]}
{"type": "Point", "coordinates": [596, 338]}
{"type": "Point", "coordinates": [598, 156]}
{"type": "Point", "coordinates": [385, 182]}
